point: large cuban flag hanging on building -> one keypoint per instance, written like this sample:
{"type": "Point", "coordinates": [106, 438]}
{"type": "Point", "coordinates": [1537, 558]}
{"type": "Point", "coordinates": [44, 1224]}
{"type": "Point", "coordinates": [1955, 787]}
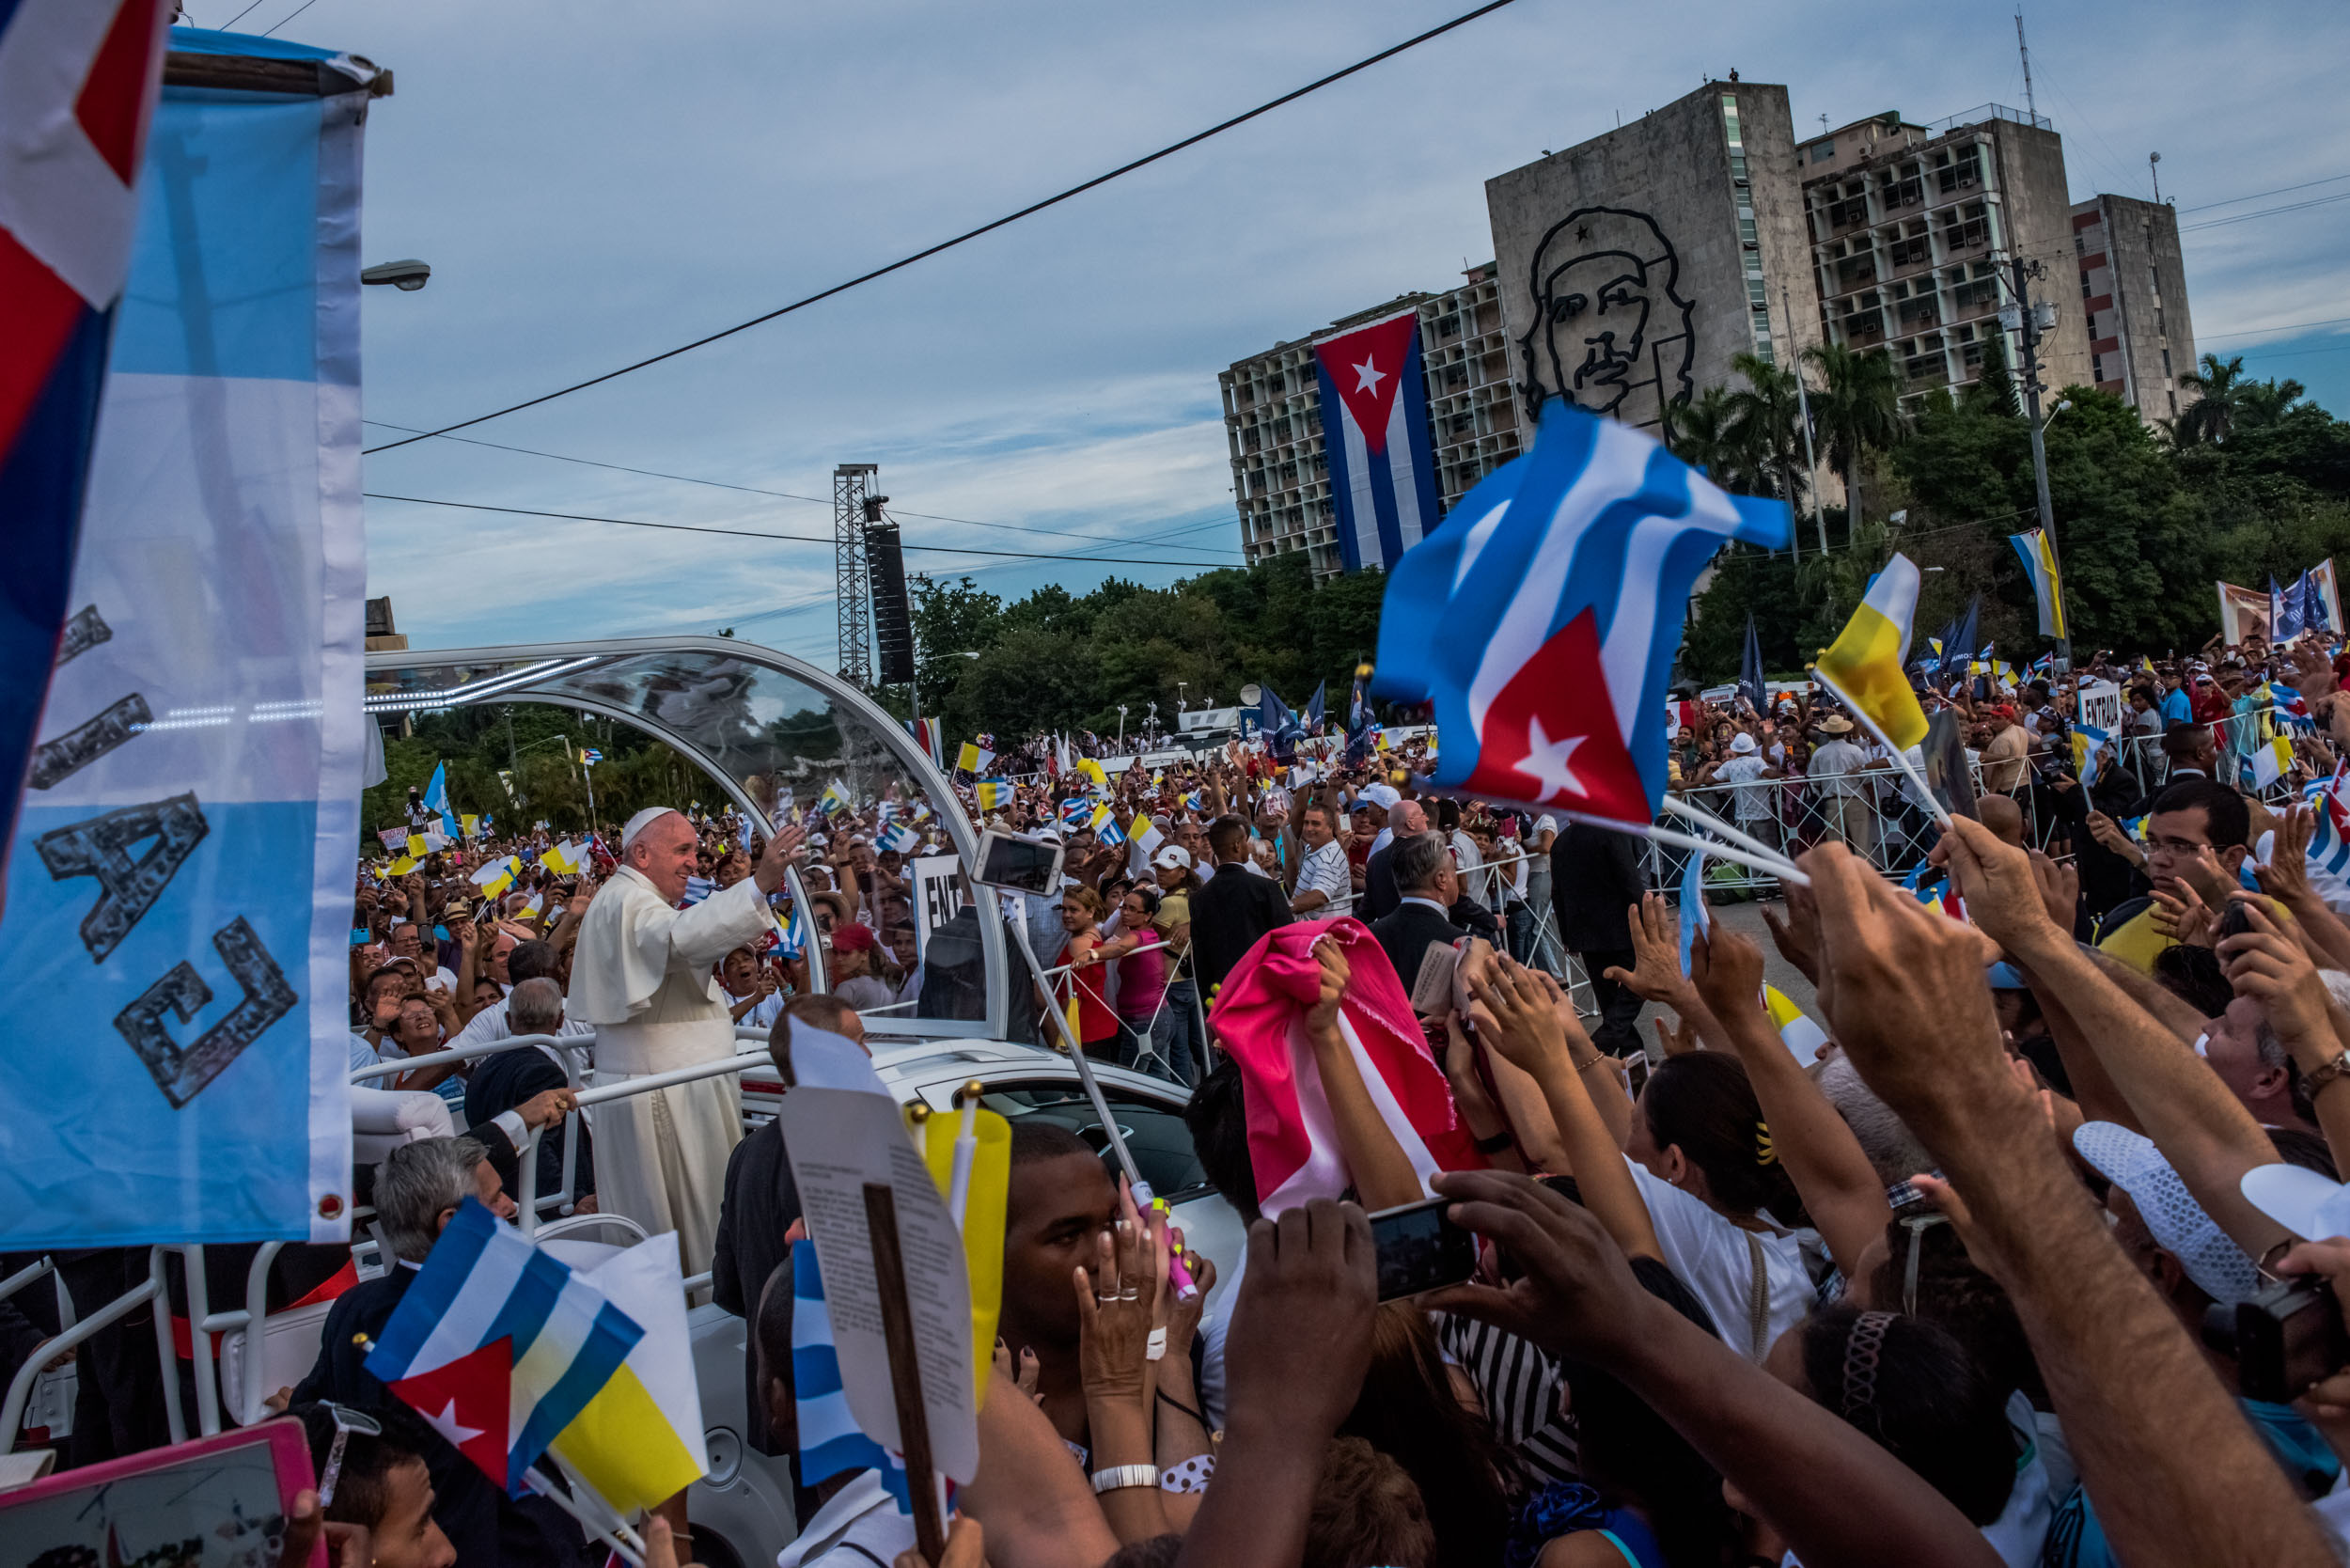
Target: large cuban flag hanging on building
{"type": "Point", "coordinates": [1374, 423]}
{"type": "Point", "coordinates": [174, 944]}
{"type": "Point", "coordinates": [1543, 618]}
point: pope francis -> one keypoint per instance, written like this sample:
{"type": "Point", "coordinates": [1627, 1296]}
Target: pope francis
{"type": "Point", "coordinates": [641, 976]}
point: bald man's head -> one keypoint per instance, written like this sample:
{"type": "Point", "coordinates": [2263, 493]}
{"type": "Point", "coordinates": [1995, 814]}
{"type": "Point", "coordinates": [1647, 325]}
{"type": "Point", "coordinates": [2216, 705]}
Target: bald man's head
{"type": "Point", "coordinates": [2003, 817]}
{"type": "Point", "coordinates": [1409, 817]}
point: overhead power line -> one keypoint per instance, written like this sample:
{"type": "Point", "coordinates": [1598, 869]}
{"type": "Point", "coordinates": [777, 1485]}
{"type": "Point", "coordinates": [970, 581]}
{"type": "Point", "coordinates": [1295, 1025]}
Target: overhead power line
{"type": "Point", "coordinates": [2256, 332]}
{"type": "Point", "coordinates": [757, 489]}
{"type": "Point", "coordinates": [1029, 211]}
{"type": "Point", "coordinates": [2280, 189]}
{"type": "Point", "coordinates": [785, 539]}
{"type": "Point", "coordinates": [2264, 212]}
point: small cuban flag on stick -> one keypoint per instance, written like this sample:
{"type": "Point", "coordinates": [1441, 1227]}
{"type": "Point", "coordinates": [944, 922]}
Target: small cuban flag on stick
{"type": "Point", "coordinates": [902, 838]}
{"type": "Point", "coordinates": [1542, 619]}
{"type": "Point", "coordinates": [1075, 812]}
{"type": "Point", "coordinates": [1105, 827]}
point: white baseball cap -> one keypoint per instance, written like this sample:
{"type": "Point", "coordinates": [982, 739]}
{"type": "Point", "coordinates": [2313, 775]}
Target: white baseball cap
{"type": "Point", "coordinates": [1385, 796]}
{"type": "Point", "coordinates": [2178, 1223]}
{"type": "Point", "coordinates": [1173, 858]}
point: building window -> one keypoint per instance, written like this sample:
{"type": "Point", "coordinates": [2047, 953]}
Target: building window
{"type": "Point", "coordinates": [1822, 151]}
{"type": "Point", "coordinates": [2166, 363]}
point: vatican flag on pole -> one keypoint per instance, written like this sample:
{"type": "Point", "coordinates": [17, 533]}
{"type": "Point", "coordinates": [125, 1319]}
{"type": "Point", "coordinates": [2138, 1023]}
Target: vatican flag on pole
{"type": "Point", "coordinates": [2039, 558]}
{"type": "Point", "coordinates": [1866, 669]}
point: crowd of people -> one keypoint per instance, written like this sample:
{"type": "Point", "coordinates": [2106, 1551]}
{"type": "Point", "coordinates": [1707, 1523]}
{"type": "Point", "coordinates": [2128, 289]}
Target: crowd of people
{"type": "Point", "coordinates": [2001, 1277]}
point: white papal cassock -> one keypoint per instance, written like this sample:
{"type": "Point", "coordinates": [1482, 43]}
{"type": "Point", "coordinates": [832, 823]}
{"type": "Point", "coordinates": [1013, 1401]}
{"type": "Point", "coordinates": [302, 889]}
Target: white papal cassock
{"type": "Point", "coordinates": [641, 975]}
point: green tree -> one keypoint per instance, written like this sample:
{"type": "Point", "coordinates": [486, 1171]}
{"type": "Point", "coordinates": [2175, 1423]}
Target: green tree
{"type": "Point", "coordinates": [1768, 422]}
{"type": "Point", "coordinates": [2221, 395]}
{"type": "Point", "coordinates": [1704, 433]}
{"type": "Point", "coordinates": [1857, 409]}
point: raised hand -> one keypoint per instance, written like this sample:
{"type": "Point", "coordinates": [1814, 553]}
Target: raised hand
{"type": "Point", "coordinates": [1300, 1337]}
{"type": "Point", "coordinates": [1727, 970]}
{"type": "Point", "coordinates": [1655, 974]}
{"type": "Point", "coordinates": [1116, 1306]}
{"type": "Point", "coordinates": [2270, 966]}
{"type": "Point", "coordinates": [1323, 1015]}
{"type": "Point", "coordinates": [1577, 1294]}
{"type": "Point", "coordinates": [1797, 935]}
{"type": "Point", "coordinates": [2178, 915]}
{"type": "Point", "coordinates": [1526, 1027]}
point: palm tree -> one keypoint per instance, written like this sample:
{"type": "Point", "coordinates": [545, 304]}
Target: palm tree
{"type": "Point", "coordinates": [2221, 395]}
{"type": "Point", "coordinates": [1704, 435]}
{"type": "Point", "coordinates": [1767, 420]}
{"type": "Point", "coordinates": [2268, 403]}
{"type": "Point", "coordinates": [1857, 409]}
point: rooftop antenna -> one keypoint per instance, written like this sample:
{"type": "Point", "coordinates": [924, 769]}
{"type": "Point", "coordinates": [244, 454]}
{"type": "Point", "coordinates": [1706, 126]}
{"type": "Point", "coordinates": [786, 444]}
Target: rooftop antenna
{"type": "Point", "coordinates": [2154, 164]}
{"type": "Point", "coordinates": [2025, 49]}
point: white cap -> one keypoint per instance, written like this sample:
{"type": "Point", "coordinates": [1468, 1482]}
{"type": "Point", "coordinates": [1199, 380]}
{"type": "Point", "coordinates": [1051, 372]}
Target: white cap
{"type": "Point", "coordinates": [642, 821]}
{"type": "Point", "coordinates": [2178, 1223]}
{"type": "Point", "coordinates": [2300, 1200]}
{"type": "Point", "coordinates": [1174, 858]}
{"type": "Point", "coordinates": [1742, 743]}
{"type": "Point", "coordinates": [1385, 796]}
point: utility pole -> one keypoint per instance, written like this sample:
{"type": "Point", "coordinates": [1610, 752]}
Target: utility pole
{"type": "Point", "coordinates": [2154, 166]}
{"type": "Point", "coordinates": [2029, 326]}
{"type": "Point", "coordinates": [2025, 49]}
{"type": "Point", "coordinates": [1803, 413]}
{"type": "Point", "coordinates": [849, 483]}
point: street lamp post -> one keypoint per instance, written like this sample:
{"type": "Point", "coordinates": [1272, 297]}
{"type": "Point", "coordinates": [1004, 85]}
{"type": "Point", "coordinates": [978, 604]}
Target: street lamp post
{"type": "Point", "coordinates": [1122, 729]}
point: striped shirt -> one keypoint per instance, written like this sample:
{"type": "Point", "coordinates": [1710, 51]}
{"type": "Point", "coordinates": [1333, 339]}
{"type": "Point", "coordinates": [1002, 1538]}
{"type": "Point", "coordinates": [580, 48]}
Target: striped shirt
{"type": "Point", "coordinates": [1522, 1388]}
{"type": "Point", "coordinates": [1325, 871]}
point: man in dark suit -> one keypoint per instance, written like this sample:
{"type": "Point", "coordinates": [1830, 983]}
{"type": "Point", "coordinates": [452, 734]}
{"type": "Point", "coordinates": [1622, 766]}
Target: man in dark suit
{"type": "Point", "coordinates": [511, 1080]}
{"type": "Point", "coordinates": [1422, 917]}
{"type": "Point", "coordinates": [1379, 893]}
{"type": "Point", "coordinates": [1594, 881]}
{"type": "Point", "coordinates": [1235, 907]}
{"type": "Point", "coordinates": [417, 1190]}
{"type": "Point", "coordinates": [763, 1200]}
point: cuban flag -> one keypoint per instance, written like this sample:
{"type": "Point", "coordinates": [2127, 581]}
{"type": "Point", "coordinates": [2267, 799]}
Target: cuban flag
{"type": "Point", "coordinates": [500, 1346]}
{"type": "Point", "coordinates": [830, 1442]}
{"type": "Point", "coordinates": [1543, 619]}
{"type": "Point", "coordinates": [1077, 813]}
{"type": "Point", "coordinates": [1375, 420]}
{"type": "Point", "coordinates": [902, 838]}
{"type": "Point", "coordinates": [1259, 1016]}
{"type": "Point", "coordinates": [78, 85]}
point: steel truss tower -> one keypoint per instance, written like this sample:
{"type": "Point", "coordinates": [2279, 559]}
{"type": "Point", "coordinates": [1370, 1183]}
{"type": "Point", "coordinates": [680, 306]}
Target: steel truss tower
{"type": "Point", "coordinates": [851, 483]}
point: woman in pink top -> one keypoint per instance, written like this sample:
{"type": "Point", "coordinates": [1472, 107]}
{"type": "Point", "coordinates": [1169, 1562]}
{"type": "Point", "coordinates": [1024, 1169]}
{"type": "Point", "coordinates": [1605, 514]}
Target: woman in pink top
{"type": "Point", "coordinates": [1143, 1026]}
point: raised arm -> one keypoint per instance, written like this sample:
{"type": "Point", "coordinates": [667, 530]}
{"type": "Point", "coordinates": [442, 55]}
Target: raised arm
{"type": "Point", "coordinates": [1383, 1177]}
{"type": "Point", "coordinates": [2174, 1471]}
{"type": "Point", "coordinates": [2269, 967]}
{"type": "Point", "coordinates": [1522, 1025]}
{"type": "Point", "coordinates": [1838, 1500]}
{"type": "Point", "coordinates": [1839, 1186]}
{"type": "Point", "coordinates": [2181, 1104]}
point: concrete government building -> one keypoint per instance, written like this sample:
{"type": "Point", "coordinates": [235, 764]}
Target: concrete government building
{"type": "Point", "coordinates": [1631, 269]}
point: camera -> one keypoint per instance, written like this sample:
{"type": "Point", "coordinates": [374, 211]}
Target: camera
{"type": "Point", "coordinates": [2284, 1338]}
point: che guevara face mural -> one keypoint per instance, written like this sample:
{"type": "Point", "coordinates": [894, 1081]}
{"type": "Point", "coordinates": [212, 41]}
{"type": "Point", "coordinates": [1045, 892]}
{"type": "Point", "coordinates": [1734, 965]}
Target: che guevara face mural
{"type": "Point", "coordinates": [1611, 332]}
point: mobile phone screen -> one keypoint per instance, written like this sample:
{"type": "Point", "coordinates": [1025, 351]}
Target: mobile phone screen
{"type": "Point", "coordinates": [1419, 1250]}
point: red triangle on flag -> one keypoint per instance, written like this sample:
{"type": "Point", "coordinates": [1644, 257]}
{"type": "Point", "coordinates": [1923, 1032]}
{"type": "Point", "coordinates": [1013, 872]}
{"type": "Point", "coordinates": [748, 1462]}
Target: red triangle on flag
{"type": "Point", "coordinates": [1367, 369]}
{"type": "Point", "coordinates": [466, 1401]}
{"type": "Point", "coordinates": [1551, 736]}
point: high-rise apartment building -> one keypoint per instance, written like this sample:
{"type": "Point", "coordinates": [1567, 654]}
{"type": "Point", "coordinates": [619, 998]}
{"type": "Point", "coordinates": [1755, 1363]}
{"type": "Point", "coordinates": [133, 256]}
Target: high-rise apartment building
{"type": "Point", "coordinates": [1637, 265]}
{"type": "Point", "coordinates": [1915, 229]}
{"type": "Point", "coordinates": [2141, 340]}
{"type": "Point", "coordinates": [1272, 419]}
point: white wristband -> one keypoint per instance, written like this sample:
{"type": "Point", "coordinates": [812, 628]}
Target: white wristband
{"type": "Point", "coordinates": [1118, 1477]}
{"type": "Point", "coordinates": [1156, 1350]}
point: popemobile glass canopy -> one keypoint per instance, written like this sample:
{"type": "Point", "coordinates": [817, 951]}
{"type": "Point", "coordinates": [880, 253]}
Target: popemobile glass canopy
{"type": "Point", "coordinates": [760, 723]}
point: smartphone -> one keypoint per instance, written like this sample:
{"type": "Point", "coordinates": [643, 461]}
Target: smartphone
{"type": "Point", "coordinates": [2234, 920]}
{"type": "Point", "coordinates": [1419, 1250]}
{"type": "Point", "coordinates": [1017, 863]}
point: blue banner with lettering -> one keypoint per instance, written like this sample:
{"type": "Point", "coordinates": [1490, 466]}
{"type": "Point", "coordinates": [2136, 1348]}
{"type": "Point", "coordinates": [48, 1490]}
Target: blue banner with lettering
{"type": "Point", "coordinates": [173, 945]}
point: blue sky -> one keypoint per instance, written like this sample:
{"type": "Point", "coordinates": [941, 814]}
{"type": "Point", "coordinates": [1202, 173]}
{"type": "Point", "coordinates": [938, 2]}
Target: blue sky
{"type": "Point", "coordinates": [593, 182]}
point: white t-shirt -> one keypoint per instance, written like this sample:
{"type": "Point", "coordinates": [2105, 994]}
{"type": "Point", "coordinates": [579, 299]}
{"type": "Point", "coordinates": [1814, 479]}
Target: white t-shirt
{"type": "Point", "coordinates": [1754, 803]}
{"type": "Point", "coordinates": [1714, 1259]}
{"type": "Point", "coordinates": [861, 1513]}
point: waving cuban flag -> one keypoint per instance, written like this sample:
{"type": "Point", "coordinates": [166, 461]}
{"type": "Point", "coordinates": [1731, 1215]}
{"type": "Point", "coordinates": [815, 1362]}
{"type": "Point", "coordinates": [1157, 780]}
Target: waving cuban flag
{"type": "Point", "coordinates": [1374, 412]}
{"type": "Point", "coordinates": [1542, 619]}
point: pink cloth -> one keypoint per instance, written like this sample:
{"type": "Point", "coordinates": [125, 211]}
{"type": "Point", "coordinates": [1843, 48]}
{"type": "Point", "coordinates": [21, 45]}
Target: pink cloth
{"type": "Point", "coordinates": [1259, 1017]}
